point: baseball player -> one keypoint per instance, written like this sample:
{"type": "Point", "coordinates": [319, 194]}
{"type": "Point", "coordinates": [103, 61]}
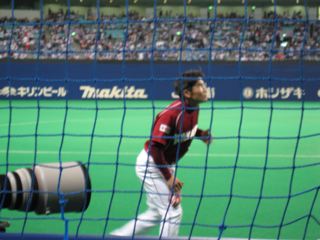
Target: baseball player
{"type": "Point", "coordinates": [172, 134]}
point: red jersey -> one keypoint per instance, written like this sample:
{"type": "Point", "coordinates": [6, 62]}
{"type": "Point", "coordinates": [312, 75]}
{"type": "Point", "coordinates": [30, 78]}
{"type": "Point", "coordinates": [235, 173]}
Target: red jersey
{"type": "Point", "coordinates": [173, 129]}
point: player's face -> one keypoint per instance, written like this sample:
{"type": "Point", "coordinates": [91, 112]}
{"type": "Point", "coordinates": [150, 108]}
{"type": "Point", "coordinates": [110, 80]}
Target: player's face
{"type": "Point", "coordinates": [199, 93]}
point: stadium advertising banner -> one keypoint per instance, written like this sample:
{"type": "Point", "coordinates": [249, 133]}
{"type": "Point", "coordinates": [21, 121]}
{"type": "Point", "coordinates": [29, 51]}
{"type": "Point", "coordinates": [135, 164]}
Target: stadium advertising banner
{"type": "Point", "coordinates": [226, 81]}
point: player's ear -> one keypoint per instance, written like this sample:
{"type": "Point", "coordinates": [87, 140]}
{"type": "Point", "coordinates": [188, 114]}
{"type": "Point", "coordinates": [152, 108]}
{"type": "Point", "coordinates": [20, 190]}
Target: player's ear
{"type": "Point", "coordinates": [186, 93]}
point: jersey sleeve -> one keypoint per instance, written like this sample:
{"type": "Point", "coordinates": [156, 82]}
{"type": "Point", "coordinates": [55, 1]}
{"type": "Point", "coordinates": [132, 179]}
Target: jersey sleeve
{"type": "Point", "coordinates": [200, 133]}
{"type": "Point", "coordinates": [157, 152]}
{"type": "Point", "coordinates": [163, 128]}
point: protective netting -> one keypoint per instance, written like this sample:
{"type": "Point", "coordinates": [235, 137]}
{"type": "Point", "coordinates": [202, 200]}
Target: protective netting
{"type": "Point", "coordinates": [260, 178]}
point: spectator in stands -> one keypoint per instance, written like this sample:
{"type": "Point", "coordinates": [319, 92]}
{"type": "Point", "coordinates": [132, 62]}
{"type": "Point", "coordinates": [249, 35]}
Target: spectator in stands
{"type": "Point", "coordinates": [112, 39]}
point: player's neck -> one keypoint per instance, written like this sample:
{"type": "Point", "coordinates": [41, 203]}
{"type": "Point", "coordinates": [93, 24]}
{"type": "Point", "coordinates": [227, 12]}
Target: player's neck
{"type": "Point", "coordinates": [190, 103]}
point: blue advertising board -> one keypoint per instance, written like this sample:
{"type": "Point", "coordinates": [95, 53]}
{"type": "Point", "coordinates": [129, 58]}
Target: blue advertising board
{"type": "Point", "coordinates": [146, 80]}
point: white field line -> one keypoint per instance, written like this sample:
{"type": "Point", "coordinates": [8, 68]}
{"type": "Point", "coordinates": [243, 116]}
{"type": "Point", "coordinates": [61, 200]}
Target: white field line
{"type": "Point", "coordinates": [121, 153]}
{"type": "Point", "coordinates": [13, 124]}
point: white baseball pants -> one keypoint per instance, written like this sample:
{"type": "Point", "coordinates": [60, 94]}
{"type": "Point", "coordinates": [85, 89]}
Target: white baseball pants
{"type": "Point", "coordinates": [159, 211]}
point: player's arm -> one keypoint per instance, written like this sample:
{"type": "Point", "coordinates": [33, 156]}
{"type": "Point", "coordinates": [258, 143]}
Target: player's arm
{"type": "Point", "coordinates": [173, 183]}
{"type": "Point", "coordinates": [162, 130]}
{"type": "Point", "coordinates": [204, 135]}
{"type": "Point", "coordinates": [157, 152]}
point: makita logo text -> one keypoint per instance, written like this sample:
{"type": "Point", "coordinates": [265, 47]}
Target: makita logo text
{"type": "Point", "coordinates": [115, 92]}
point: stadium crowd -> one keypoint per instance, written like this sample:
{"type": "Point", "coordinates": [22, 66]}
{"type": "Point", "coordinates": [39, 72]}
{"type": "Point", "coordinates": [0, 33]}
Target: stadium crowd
{"type": "Point", "coordinates": [64, 35]}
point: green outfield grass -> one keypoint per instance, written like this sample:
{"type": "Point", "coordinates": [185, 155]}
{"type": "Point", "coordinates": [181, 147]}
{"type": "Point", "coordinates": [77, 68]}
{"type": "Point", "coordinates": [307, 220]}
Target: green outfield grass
{"type": "Point", "coordinates": [117, 131]}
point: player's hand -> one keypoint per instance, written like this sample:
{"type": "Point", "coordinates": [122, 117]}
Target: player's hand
{"type": "Point", "coordinates": [176, 199]}
{"type": "Point", "coordinates": [206, 137]}
{"type": "Point", "coordinates": [175, 184]}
